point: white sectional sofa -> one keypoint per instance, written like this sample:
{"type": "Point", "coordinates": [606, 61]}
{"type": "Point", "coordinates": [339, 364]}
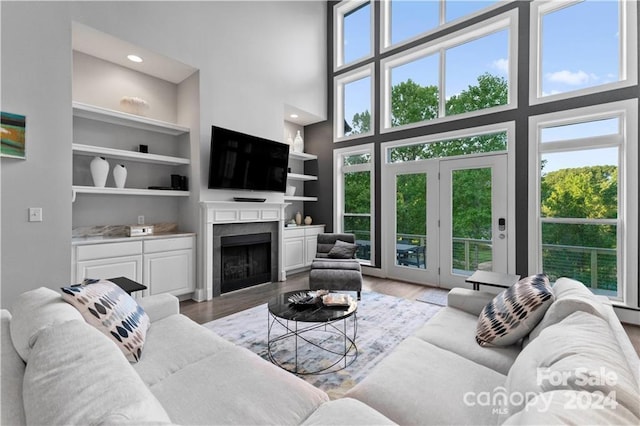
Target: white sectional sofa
{"type": "Point", "coordinates": [72, 374]}
{"type": "Point", "coordinates": [57, 369]}
{"type": "Point", "coordinates": [575, 357]}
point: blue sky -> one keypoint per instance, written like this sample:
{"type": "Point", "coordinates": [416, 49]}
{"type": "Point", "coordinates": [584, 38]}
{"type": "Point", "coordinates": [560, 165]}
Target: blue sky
{"type": "Point", "coordinates": [579, 49]}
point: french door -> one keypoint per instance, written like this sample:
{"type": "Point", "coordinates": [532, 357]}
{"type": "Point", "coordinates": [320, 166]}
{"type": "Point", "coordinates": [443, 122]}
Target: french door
{"type": "Point", "coordinates": [447, 218]}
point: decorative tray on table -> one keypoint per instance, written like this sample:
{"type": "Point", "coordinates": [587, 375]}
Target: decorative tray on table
{"type": "Point", "coordinates": [307, 297]}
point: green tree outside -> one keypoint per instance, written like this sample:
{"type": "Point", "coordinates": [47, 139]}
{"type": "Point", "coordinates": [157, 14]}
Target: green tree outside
{"type": "Point", "coordinates": [584, 192]}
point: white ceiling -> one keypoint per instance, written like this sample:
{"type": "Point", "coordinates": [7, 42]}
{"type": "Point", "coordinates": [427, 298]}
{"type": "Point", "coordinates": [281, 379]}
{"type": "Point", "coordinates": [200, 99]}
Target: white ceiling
{"type": "Point", "coordinates": [104, 46]}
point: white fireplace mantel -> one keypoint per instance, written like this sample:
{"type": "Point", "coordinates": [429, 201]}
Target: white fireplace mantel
{"type": "Point", "coordinates": [223, 212]}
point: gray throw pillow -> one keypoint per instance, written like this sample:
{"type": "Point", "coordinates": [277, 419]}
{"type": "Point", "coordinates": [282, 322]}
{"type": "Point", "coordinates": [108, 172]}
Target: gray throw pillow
{"type": "Point", "coordinates": [342, 250]}
{"type": "Point", "coordinates": [514, 312]}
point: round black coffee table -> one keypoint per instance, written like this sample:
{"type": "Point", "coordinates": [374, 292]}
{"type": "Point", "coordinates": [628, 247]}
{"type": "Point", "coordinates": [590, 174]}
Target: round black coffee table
{"type": "Point", "coordinates": [311, 328]}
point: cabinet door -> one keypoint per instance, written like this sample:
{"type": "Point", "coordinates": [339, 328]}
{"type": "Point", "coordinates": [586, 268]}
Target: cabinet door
{"type": "Point", "coordinates": [169, 272]}
{"type": "Point", "coordinates": [293, 253]}
{"type": "Point", "coordinates": [126, 266]}
{"type": "Point", "coordinates": [311, 243]}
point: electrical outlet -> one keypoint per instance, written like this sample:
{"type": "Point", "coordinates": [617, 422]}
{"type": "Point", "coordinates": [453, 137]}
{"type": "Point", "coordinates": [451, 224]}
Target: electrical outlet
{"type": "Point", "coordinates": [140, 220]}
{"type": "Point", "coordinates": [35, 214]}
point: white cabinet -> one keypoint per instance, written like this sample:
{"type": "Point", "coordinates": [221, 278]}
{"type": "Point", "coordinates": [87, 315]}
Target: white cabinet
{"type": "Point", "coordinates": [122, 259]}
{"type": "Point", "coordinates": [164, 265]}
{"type": "Point", "coordinates": [169, 266]}
{"type": "Point", "coordinates": [123, 266]}
{"type": "Point", "coordinates": [293, 247]}
{"type": "Point", "coordinates": [299, 246]}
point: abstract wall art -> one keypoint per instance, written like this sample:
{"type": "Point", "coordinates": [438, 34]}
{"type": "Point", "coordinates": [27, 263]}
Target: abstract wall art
{"type": "Point", "coordinates": [12, 131]}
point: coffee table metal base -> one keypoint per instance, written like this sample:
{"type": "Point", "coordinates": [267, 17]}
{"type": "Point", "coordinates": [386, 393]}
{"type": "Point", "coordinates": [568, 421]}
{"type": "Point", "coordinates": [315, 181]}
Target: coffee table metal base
{"type": "Point", "coordinates": [299, 332]}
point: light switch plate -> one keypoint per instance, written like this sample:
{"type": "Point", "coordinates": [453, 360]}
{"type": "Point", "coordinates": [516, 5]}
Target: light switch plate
{"type": "Point", "coordinates": [35, 214]}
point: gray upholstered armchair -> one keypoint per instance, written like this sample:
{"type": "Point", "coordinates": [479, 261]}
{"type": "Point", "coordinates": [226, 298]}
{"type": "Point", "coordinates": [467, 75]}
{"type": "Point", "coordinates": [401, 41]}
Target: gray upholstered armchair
{"type": "Point", "coordinates": [335, 266]}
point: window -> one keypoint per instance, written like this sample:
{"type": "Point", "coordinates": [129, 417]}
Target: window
{"type": "Point", "coordinates": [353, 103]}
{"type": "Point", "coordinates": [581, 47]}
{"type": "Point", "coordinates": [353, 32]}
{"type": "Point", "coordinates": [583, 226]}
{"type": "Point", "coordinates": [354, 197]}
{"type": "Point", "coordinates": [464, 73]}
{"type": "Point", "coordinates": [480, 143]}
{"type": "Point", "coordinates": [405, 20]}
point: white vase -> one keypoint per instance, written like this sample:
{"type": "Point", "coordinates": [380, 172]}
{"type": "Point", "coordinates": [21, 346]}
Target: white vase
{"type": "Point", "coordinates": [298, 143]}
{"type": "Point", "coordinates": [298, 218]}
{"type": "Point", "coordinates": [120, 175]}
{"type": "Point", "coordinates": [99, 171]}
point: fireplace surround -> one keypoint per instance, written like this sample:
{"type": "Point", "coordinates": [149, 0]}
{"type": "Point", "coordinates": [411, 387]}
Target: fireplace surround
{"type": "Point", "coordinates": [230, 218]}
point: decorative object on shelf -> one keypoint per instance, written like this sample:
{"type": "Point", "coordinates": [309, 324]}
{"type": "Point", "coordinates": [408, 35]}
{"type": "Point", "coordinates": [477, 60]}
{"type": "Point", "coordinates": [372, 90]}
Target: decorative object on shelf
{"type": "Point", "coordinates": [120, 175]}
{"type": "Point", "coordinates": [298, 143]}
{"type": "Point", "coordinates": [12, 134]}
{"type": "Point", "coordinates": [289, 139]}
{"type": "Point", "coordinates": [99, 167]}
{"type": "Point", "coordinates": [291, 190]}
{"type": "Point", "coordinates": [179, 183]}
{"type": "Point", "coordinates": [134, 105]}
{"type": "Point", "coordinates": [308, 220]}
{"type": "Point", "coordinates": [144, 149]}
{"type": "Point", "coordinates": [298, 218]}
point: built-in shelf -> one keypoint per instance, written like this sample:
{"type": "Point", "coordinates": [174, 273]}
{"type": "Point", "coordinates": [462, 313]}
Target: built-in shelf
{"type": "Point", "coordinates": [121, 154]}
{"type": "Point", "coordinates": [296, 176]}
{"type": "Point", "coordinates": [302, 156]}
{"type": "Point", "coordinates": [106, 115]}
{"type": "Point", "coordinates": [127, 191]}
{"type": "Point", "coordinates": [299, 198]}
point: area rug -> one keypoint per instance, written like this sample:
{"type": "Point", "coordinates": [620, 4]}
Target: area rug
{"type": "Point", "coordinates": [383, 322]}
{"type": "Point", "coordinates": [435, 296]}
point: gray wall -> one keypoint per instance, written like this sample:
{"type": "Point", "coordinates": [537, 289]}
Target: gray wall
{"type": "Point", "coordinates": [253, 58]}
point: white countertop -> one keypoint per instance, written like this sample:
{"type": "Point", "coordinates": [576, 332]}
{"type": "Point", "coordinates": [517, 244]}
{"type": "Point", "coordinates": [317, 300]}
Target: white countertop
{"type": "Point", "coordinates": [81, 241]}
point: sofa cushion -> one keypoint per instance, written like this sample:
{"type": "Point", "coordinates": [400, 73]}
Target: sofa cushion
{"type": "Point", "coordinates": [236, 386]}
{"type": "Point", "coordinates": [342, 250]}
{"type": "Point", "coordinates": [420, 384]}
{"type": "Point", "coordinates": [346, 411]}
{"type": "Point", "coordinates": [570, 296]}
{"type": "Point", "coordinates": [111, 310]}
{"type": "Point", "coordinates": [514, 312]}
{"type": "Point", "coordinates": [35, 310]}
{"type": "Point", "coordinates": [565, 407]}
{"type": "Point", "coordinates": [579, 353]}
{"type": "Point", "coordinates": [76, 375]}
{"type": "Point", "coordinates": [340, 264]}
{"type": "Point", "coordinates": [174, 343]}
{"type": "Point", "coordinates": [12, 412]}
{"type": "Point", "coordinates": [159, 306]}
{"type": "Point", "coordinates": [455, 331]}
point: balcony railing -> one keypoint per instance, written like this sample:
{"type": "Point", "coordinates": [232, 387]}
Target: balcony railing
{"type": "Point", "coordinates": [594, 266]}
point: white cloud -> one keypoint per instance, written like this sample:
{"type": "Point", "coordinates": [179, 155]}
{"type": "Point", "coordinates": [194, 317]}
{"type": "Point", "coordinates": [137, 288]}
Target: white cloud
{"type": "Point", "coordinates": [553, 92]}
{"type": "Point", "coordinates": [501, 65]}
{"type": "Point", "coordinates": [571, 78]}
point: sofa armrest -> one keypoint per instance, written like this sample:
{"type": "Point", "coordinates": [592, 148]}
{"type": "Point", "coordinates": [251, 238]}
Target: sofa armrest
{"type": "Point", "coordinates": [160, 306]}
{"type": "Point", "coordinates": [470, 301]}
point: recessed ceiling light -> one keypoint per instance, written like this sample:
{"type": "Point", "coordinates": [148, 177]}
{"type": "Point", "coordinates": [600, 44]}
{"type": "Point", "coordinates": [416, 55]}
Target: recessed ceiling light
{"type": "Point", "coordinates": [134, 58]}
{"type": "Point", "coordinates": [294, 116]}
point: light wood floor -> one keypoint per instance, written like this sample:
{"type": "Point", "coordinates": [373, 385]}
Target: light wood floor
{"type": "Point", "coordinates": [240, 300]}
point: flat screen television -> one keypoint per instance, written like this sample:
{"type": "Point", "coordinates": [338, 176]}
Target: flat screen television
{"type": "Point", "coordinates": [241, 161]}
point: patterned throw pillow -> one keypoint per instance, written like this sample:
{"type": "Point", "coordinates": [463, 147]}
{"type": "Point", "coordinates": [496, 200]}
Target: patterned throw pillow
{"type": "Point", "coordinates": [108, 308]}
{"type": "Point", "coordinates": [514, 312]}
{"type": "Point", "coordinates": [342, 250]}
